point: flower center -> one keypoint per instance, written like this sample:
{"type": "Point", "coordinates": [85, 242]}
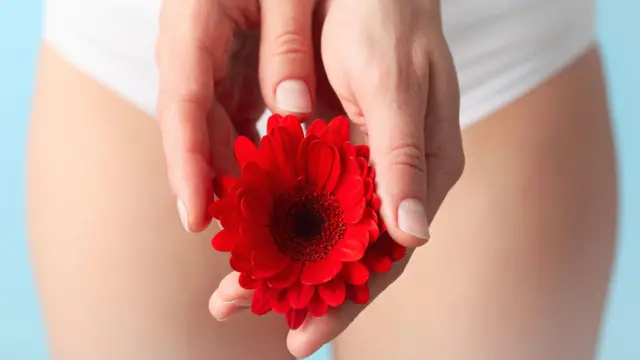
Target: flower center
{"type": "Point", "coordinates": [306, 223]}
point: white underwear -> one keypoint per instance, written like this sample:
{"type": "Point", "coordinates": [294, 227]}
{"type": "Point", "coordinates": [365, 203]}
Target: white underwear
{"type": "Point", "coordinates": [501, 48]}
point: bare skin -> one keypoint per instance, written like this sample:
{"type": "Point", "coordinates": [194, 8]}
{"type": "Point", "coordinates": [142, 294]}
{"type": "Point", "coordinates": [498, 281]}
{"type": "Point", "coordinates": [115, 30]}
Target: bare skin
{"type": "Point", "coordinates": [118, 275]}
{"type": "Point", "coordinates": [519, 264]}
{"type": "Point", "coordinates": [517, 268]}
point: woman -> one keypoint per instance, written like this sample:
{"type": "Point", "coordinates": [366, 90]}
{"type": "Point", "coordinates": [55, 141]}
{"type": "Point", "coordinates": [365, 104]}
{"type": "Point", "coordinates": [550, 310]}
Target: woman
{"type": "Point", "coordinates": [519, 261]}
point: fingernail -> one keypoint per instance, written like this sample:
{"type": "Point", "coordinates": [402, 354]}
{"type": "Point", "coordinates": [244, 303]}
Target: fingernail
{"type": "Point", "coordinates": [293, 96]}
{"type": "Point", "coordinates": [412, 219]}
{"type": "Point", "coordinates": [240, 302]}
{"type": "Point", "coordinates": [182, 211]}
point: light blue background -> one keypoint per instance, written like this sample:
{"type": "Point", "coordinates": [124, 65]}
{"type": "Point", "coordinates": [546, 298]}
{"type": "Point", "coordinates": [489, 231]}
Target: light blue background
{"type": "Point", "coordinates": [21, 333]}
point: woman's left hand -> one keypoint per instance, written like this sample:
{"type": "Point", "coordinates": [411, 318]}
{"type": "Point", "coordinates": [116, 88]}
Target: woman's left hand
{"type": "Point", "coordinates": [387, 65]}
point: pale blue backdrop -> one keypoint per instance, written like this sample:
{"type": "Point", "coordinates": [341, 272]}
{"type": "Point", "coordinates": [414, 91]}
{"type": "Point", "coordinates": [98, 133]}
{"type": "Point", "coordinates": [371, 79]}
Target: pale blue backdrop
{"type": "Point", "coordinates": [21, 334]}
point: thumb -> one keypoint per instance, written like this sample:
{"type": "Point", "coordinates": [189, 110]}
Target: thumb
{"type": "Point", "coordinates": [286, 56]}
{"type": "Point", "coordinates": [396, 129]}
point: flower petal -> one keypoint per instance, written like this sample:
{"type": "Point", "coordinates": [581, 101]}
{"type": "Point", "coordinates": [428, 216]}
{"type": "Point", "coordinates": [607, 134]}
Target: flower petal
{"type": "Point", "coordinates": [363, 151]}
{"type": "Point", "coordinates": [223, 185]}
{"type": "Point", "coordinates": [300, 295]}
{"type": "Point", "coordinates": [333, 292]}
{"type": "Point", "coordinates": [247, 282]}
{"type": "Point", "coordinates": [261, 300]}
{"type": "Point", "coordinates": [255, 235]}
{"type": "Point", "coordinates": [321, 271]}
{"type": "Point", "coordinates": [323, 165]}
{"type": "Point", "coordinates": [292, 128]}
{"type": "Point", "coordinates": [279, 301]}
{"type": "Point", "coordinates": [287, 148]}
{"type": "Point", "coordinates": [353, 213]}
{"type": "Point", "coordinates": [303, 155]}
{"type": "Point", "coordinates": [255, 177]}
{"type": "Point", "coordinates": [279, 172]}
{"type": "Point", "coordinates": [348, 150]}
{"type": "Point", "coordinates": [350, 167]}
{"type": "Point", "coordinates": [360, 231]}
{"type": "Point", "coordinates": [295, 317]}
{"type": "Point", "coordinates": [371, 173]}
{"type": "Point", "coordinates": [338, 131]}
{"type": "Point", "coordinates": [359, 294]}
{"type": "Point", "coordinates": [268, 261]}
{"type": "Point", "coordinates": [396, 252]}
{"type": "Point", "coordinates": [349, 250]}
{"type": "Point", "coordinates": [219, 207]}
{"type": "Point", "coordinates": [292, 124]}
{"type": "Point", "coordinates": [231, 219]}
{"type": "Point", "coordinates": [364, 167]}
{"type": "Point", "coordinates": [355, 273]}
{"type": "Point", "coordinates": [274, 121]}
{"type": "Point", "coordinates": [370, 214]}
{"type": "Point", "coordinates": [317, 307]}
{"type": "Point", "coordinates": [256, 207]}
{"type": "Point", "coordinates": [368, 188]}
{"type": "Point", "coordinates": [317, 128]}
{"type": "Point", "coordinates": [224, 240]}
{"type": "Point", "coordinates": [356, 239]}
{"type": "Point", "coordinates": [349, 191]}
{"type": "Point", "coordinates": [375, 202]}
{"type": "Point", "coordinates": [240, 260]}
{"type": "Point", "coordinates": [287, 276]}
{"type": "Point", "coordinates": [376, 262]}
{"type": "Point", "coordinates": [365, 231]}
{"type": "Point", "coordinates": [239, 263]}
{"type": "Point", "coordinates": [245, 150]}
{"type": "Point", "coordinates": [387, 246]}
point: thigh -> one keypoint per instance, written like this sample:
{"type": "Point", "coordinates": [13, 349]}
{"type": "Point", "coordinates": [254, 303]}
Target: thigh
{"type": "Point", "coordinates": [118, 277]}
{"type": "Point", "coordinates": [521, 252]}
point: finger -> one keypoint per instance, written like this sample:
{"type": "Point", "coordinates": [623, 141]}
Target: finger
{"type": "Point", "coordinates": [394, 116]}
{"type": "Point", "coordinates": [239, 91]}
{"type": "Point", "coordinates": [445, 155]}
{"type": "Point", "coordinates": [316, 332]}
{"type": "Point", "coordinates": [229, 298]}
{"type": "Point", "coordinates": [287, 78]}
{"type": "Point", "coordinates": [186, 58]}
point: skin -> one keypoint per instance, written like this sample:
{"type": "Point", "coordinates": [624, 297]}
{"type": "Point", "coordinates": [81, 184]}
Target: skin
{"type": "Point", "coordinates": [404, 99]}
{"type": "Point", "coordinates": [118, 291]}
{"type": "Point", "coordinates": [522, 247]}
{"type": "Point", "coordinates": [141, 281]}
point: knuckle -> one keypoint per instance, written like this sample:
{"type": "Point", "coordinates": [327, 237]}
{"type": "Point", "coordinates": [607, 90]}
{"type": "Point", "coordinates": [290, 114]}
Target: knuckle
{"type": "Point", "coordinates": [291, 44]}
{"type": "Point", "coordinates": [395, 77]}
{"type": "Point", "coordinates": [185, 98]}
{"type": "Point", "coordinates": [407, 155]}
{"type": "Point", "coordinates": [192, 96]}
{"type": "Point", "coordinates": [420, 58]}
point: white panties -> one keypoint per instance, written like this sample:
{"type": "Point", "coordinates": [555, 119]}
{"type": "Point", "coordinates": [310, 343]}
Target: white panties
{"type": "Point", "coordinates": [501, 48]}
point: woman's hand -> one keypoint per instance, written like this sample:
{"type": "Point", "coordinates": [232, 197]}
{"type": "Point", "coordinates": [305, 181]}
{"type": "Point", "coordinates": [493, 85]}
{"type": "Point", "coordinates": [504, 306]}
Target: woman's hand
{"type": "Point", "coordinates": [210, 88]}
{"type": "Point", "coordinates": [386, 63]}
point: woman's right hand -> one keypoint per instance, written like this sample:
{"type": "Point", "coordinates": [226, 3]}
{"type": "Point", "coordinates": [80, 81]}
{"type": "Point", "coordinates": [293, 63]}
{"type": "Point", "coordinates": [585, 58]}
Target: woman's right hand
{"type": "Point", "coordinates": [210, 91]}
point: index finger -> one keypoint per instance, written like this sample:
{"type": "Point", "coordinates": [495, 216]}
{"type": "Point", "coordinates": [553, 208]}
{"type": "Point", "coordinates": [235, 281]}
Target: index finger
{"type": "Point", "coordinates": [186, 58]}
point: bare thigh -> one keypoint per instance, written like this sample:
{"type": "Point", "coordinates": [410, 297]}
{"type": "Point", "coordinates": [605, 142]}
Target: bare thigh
{"type": "Point", "coordinates": [118, 277]}
{"type": "Point", "coordinates": [519, 263]}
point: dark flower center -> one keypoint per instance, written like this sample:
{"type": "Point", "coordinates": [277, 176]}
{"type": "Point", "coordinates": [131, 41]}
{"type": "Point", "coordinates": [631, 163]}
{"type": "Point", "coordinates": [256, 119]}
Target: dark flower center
{"type": "Point", "coordinates": [307, 223]}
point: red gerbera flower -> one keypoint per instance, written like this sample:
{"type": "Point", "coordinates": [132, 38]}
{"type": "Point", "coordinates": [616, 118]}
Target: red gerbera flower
{"type": "Point", "coordinates": [302, 222]}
